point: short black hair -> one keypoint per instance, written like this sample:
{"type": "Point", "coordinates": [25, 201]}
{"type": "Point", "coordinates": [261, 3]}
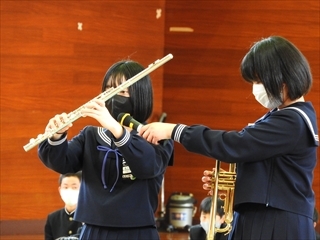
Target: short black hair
{"type": "Point", "coordinates": [141, 92]}
{"type": "Point", "coordinates": [62, 176]}
{"type": "Point", "coordinates": [275, 61]}
{"type": "Point", "coordinates": [205, 206]}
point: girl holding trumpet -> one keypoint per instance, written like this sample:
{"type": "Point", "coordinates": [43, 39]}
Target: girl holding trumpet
{"type": "Point", "coordinates": [121, 172]}
{"type": "Point", "coordinates": [275, 156]}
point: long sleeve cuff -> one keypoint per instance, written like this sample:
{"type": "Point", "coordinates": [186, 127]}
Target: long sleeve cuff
{"type": "Point", "coordinates": [177, 132]}
{"type": "Point", "coordinates": [58, 141]}
{"type": "Point", "coordinates": [123, 139]}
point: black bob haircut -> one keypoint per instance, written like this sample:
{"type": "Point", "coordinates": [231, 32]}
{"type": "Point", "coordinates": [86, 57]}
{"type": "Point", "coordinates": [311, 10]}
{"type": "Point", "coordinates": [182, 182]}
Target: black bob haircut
{"type": "Point", "coordinates": [205, 206]}
{"type": "Point", "coordinates": [141, 92]}
{"type": "Point", "coordinates": [275, 61]}
{"type": "Point", "coordinates": [62, 176]}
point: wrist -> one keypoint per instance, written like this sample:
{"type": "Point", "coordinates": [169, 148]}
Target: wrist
{"type": "Point", "coordinates": [58, 135]}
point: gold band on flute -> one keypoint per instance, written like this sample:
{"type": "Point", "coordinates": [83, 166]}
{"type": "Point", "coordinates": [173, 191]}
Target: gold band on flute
{"type": "Point", "coordinates": [104, 96]}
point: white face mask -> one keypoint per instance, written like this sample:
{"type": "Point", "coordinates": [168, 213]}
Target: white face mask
{"type": "Point", "coordinates": [69, 196]}
{"type": "Point", "coordinates": [205, 225]}
{"type": "Point", "coordinates": [218, 224]}
{"type": "Point", "coordinates": [261, 96]}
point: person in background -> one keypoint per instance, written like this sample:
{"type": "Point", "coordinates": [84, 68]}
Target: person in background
{"type": "Point", "coordinates": [121, 172]}
{"type": "Point", "coordinates": [315, 221]}
{"type": "Point", "coordinates": [199, 231]}
{"type": "Point", "coordinates": [61, 222]}
{"type": "Point", "coordinates": [275, 157]}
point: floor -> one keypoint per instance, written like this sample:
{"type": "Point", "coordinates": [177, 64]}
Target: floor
{"type": "Point", "coordinates": [163, 236]}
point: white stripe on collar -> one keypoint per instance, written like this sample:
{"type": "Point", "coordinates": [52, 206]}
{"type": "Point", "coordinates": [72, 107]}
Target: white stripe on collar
{"type": "Point", "coordinates": [103, 135]}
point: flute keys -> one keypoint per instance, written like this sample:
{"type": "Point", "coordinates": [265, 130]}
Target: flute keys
{"type": "Point", "coordinates": [72, 114]}
{"type": "Point", "coordinates": [107, 94]}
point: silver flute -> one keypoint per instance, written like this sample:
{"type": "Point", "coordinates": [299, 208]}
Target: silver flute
{"type": "Point", "coordinates": [104, 96]}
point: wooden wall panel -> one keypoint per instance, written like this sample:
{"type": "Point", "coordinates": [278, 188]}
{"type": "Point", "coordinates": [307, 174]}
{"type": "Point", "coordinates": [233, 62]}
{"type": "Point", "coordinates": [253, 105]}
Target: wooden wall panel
{"type": "Point", "coordinates": [202, 85]}
{"type": "Point", "coordinates": [49, 66]}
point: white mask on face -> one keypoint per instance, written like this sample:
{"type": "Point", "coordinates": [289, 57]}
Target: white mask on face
{"type": "Point", "coordinates": [205, 226]}
{"type": "Point", "coordinates": [69, 196]}
{"type": "Point", "coordinates": [218, 224]}
{"type": "Point", "coordinates": [261, 96]}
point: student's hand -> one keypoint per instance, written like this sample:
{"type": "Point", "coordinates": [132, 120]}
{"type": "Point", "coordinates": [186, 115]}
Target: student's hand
{"type": "Point", "coordinates": [96, 109]}
{"type": "Point", "coordinates": [154, 132]}
{"type": "Point", "coordinates": [207, 180]}
{"type": "Point", "coordinates": [56, 122]}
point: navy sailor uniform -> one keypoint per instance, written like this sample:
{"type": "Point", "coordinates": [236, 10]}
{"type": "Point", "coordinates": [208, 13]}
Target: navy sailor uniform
{"type": "Point", "coordinates": [275, 160]}
{"type": "Point", "coordinates": [121, 178]}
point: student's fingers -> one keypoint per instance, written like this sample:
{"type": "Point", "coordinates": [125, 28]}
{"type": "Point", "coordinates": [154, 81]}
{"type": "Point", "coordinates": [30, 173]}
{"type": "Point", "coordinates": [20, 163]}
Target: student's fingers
{"type": "Point", "coordinates": [208, 173]}
{"type": "Point", "coordinates": [57, 121]}
{"type": "Point", "coordinates": [206, 179]}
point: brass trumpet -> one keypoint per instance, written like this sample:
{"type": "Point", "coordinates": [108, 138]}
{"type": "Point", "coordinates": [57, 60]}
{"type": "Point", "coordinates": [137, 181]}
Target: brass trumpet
{"type": "Point", "coordinates": [104, 96]}
{"type": "Point", "coordinates": [223, 186]}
